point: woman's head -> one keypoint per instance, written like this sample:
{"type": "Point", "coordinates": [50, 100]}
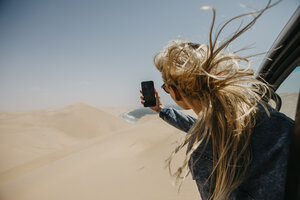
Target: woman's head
{"type": "Point", "coordinates": [200, 75]}
{"type": "Point", "coordinates": [179, 63]}
{"type": "Point", "coordinates": [179, 98]}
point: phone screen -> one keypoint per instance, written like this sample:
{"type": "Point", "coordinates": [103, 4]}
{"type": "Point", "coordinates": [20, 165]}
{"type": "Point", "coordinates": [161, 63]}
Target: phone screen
{"type": "Point", "coordinates": [148, 93]}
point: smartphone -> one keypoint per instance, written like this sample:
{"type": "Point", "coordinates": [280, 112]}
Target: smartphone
{"type": "Point", "coordinates": [148, 93]}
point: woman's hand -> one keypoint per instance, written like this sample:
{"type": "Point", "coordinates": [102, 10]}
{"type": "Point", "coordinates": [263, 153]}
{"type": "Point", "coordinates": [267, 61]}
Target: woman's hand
{"type": "Point", "coordinates": [158, 106]}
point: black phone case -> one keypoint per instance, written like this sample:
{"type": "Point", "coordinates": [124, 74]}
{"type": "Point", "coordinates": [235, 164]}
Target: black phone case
{"type": "Point", "coordinates": [148, 93]}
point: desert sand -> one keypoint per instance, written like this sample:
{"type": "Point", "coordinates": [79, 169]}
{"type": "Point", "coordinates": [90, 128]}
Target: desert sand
{"type": "Point", "coordinates": [83, 152]}
{"type": "Point", "coordinates": [289, 103]}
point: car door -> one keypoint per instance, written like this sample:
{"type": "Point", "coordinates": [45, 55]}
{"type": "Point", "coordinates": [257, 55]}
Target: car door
{"type": "Point", "coordinates": [282, 71]}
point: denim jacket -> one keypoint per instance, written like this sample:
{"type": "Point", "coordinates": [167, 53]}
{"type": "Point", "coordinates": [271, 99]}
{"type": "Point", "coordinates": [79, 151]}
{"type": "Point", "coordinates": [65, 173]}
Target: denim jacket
{"type": "Point", "coordinates": [269, 147]}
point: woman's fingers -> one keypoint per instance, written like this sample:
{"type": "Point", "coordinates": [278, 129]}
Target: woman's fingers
{"type": "Point", "coordinates": [142, 98]}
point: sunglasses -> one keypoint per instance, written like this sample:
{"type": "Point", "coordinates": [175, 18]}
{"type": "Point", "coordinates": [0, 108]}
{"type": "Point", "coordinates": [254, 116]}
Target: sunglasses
{"type": "Point", "coordinates": [164, 87]}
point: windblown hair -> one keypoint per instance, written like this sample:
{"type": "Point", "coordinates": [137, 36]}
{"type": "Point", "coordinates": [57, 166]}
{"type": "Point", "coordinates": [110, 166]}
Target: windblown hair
{"type": "Point", "coordinates": [229, 95]}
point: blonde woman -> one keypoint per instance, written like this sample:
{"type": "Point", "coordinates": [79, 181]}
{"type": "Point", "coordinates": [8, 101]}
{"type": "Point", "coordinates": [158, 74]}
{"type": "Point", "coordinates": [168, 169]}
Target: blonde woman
{"type": "Point", "coordinates": [238, 145]}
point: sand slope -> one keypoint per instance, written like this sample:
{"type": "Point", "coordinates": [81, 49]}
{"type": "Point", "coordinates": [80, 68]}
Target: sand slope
{"type": "Point", "coordinates": [289, 104]}
{"type": "Point", "coordinates": [93, 155]}
{"type": "Point", "coordinates": [29, 135]}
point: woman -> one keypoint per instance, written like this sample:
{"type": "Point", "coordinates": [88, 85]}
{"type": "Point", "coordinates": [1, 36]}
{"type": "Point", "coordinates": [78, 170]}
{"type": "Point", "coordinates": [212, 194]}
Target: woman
{"type": "Point", "coordinates": [238, 145]}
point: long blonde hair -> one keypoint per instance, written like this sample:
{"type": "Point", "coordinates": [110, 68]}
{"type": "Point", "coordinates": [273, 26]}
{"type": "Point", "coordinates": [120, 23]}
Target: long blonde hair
{"type": "Point", "coordinates": [229, 94]}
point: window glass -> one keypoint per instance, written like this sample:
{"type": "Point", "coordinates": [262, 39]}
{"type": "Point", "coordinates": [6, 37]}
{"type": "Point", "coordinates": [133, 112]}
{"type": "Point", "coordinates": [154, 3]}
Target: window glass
{"type": "Point", "coordinates": [289, 93]}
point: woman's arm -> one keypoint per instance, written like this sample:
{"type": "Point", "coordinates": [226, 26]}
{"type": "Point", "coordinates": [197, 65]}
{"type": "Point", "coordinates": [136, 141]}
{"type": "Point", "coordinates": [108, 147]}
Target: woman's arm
{"type": "Point", "coordinates": [174, 117]}
{"type": "Point", "coordinates": [177, 119]}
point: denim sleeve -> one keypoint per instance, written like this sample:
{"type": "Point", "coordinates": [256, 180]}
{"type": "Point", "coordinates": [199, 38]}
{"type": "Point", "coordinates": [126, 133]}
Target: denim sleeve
{"type": "Point", "coordinates": [177, 119]}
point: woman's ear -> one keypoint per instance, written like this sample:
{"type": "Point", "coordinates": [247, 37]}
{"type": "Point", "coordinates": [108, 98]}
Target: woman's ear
{"type": "Point", "coordinates": [177, 94]}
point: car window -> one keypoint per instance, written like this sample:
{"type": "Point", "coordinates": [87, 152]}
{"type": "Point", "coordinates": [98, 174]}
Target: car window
{"type": "Point", "coordinates": [289, 93]}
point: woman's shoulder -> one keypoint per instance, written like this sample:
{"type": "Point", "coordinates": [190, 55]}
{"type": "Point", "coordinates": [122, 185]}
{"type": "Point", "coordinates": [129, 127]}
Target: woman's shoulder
{"type": "Point", "coordinates": [272, 129]}
{"type": "Point", "coordinates": [268, 116]}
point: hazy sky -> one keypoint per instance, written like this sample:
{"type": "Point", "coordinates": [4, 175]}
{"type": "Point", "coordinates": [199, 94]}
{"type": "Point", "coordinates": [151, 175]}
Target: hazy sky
{"type": "Point", "coordinates": [58, 52]}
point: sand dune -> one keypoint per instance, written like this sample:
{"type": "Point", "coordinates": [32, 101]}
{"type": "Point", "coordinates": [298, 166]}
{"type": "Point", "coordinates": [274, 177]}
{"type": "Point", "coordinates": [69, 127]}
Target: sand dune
{"type": "Point", "coordinates": [82, 152]}
{"type": "Point", "coordinates": [78, 120]}
{"type": "Point", "coordinates": [29, 135]}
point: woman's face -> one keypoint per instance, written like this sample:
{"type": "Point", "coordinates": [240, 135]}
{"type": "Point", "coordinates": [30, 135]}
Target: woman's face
{"type": "Point", "coordinates": [177, 96]}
